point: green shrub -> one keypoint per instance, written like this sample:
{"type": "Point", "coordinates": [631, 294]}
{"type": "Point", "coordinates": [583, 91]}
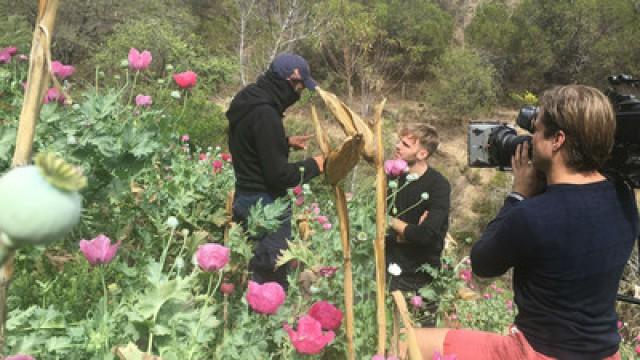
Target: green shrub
{"type": "Point", "coordinates": [464, 84]}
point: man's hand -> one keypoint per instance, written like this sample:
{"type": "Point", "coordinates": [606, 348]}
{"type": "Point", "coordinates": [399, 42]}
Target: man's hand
{"type": "Point", "coordinates": [398, 227]}
{"type": "Point", "coordinates": [298, 142]}
{"type": "Point", "coordinates": [526, 179]}
{"type": "Point", "coordinates": [319, 159]}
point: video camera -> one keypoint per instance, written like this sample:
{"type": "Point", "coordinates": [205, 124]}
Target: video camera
{"type": "Point", "coordinates": [491, 144]}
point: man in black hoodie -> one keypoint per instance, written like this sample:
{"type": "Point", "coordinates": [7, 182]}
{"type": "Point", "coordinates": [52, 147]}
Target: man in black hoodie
{"type": "Point", "coordinates": [260, 152]}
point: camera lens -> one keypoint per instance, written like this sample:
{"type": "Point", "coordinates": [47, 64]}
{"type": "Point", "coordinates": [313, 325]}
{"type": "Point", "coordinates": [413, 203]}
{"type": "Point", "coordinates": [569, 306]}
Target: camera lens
{"type": "Point", "coordinates": [502, 145]}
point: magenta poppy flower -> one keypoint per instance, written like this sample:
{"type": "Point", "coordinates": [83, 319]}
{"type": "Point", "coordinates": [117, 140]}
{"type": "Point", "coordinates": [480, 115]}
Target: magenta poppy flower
{"type": "Point", "coordinates": [297, 190]}
{"type": "Point", "coordinates": [212, 257]}
{"type": "Point", "coordinates": [395, 167]}
{"type": "Point", "coordinates": [321, 219]}
{"type": "Point", "coordinates": [637, 349]}
{"type": "Point", "coordinates": [217, 166]}
{"type": "Point", "coordinates": [53, 95]}
{"type": "Point", "coordinates": [416, 301]}
{"type": "Point", "coordinates": [299, 200]}
{"type": "Point", "coordinates": [466, 275]}
{"type": "Point", "coordinates": [5, 57]}
{"type": "Point", "coordinates": [225, 156]}
{"type": "Point", "coordinates": [184, 138]}
{"type": "Point", "coordinates": [62, 71]}
{"type": "Point", "coordinates": [99, 250]}
{"type": "Point", "coordinates": [378, 357]}
{"type": "Point", "coordinates": [143, 100]}
{"type": "Point", "coordinates": [508, 304]}
{"type": "Point", "coordinates": [139, 60]}
{"type": "Point", "coordinates": [327, 226]}
{"type": "Point", "coordinates": [19, 357]}
{"type": "Point", "coordinates": [202, 157]}
{"type": "Point", "coordinates": [265, 298]}
{"type": "Point", "coordinates": [328, 315]}
{"type": "Point", "coordinates": [227, 288]}
{"type": "Point", "coordinates": [11, 50]}
{"type": "Point", "coordinates": [327, 271]}
{"type": "Point", "coordinates": [309, 338]}
{"type": "Point", "coordinates": [186, 80]}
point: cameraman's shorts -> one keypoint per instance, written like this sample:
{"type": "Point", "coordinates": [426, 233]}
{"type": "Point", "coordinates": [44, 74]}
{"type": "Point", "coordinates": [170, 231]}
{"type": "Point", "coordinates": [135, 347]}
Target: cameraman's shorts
{"type": "Point", "coordinates": [481, 345]}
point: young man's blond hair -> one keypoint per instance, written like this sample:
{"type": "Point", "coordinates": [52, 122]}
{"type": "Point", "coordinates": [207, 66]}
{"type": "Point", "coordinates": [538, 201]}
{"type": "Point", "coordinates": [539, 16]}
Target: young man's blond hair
{"type": "Point", "coordinates": [426, 135]}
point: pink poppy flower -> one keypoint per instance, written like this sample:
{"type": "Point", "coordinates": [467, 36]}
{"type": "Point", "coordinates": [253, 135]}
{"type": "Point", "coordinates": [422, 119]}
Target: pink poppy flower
{"type": "Point", "coordinates": [62, 71]}
{"type": "Point", "coordinates": [99, 250]}
{"type": "Point", "coordinates": [297, 190]}
{"type": "Point", "coordinates": [321, 219]}
{"type": "Point", "coordinates": [416, 301]}
{"type": "Point", "coordinates": [53, 95]}
{"type": "Point", "coordinates": [265, 298]}
{"type": "Point", "coordinates": [186, 80]}
{"type": "Point", "coordinates": [309, 338]}
{"type": "Point", "coordinates": [225, 157]}
{"type": "Point", "coordinates": [327, 315]}
{"type": "Point", "coordinates": [466, 275]}
{"type": "Point", "coordinates": [23, 57]}
{"type": "Point", "coordinates": [395, 167]}
{"type": "Point", "coordinates": [487, 296]}
{"type": "Point", "coordinates": [217, 166]}
{"type": "Point", "coordinates": [637, 349]}
{"type": "Point", "coordinates": [227, 288]}
{"type": "Point", "coordinates": [11, 50]}
{"type": "Point", "coordinates": [299, 200]}
{"type": "Point", "coordinates": [20, 357]}
{"type": "Point", "coordinates": [327, 271]}
{"type": "Point", "coordinates": [202, 157]}
{"type": "Point", "coordinates": [5, 57]}
{"type": "Point", "coordinates": [143, 100]}
{"type": "Point", "coordinates": [139, 60]}
{"type": "Point", "coordinates": [212, 257]}
{"type": "Point", "coordinates": [184, 138]}
{"type": "Point", "coordinates": [378, 357]}
{"type": "Point", "coordinates": [620, 324]}
{"type": "Point", "coordinates": [327, 226]}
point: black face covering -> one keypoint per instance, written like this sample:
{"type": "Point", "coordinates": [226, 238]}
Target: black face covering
{"type": "Point", "coordinates": [282, 92]}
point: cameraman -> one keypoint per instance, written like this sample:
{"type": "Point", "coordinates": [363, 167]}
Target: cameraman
{"type": "Point", "coordinates": [567, 244]}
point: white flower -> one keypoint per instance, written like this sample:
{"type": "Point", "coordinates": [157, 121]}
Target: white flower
{"type": "Point", "coordinates": [306, 188]}
{"type": "Point", "coordinates": [175, 94]}
{"type": "Point", "coordinates": [394, 269]}
{"type": "Point", "coordinates": [75, 107]}
{"type": "Point", "coordinates": [218, 149]}
{"type": "Point", "coordinates": [172, 222]}
{"type": "Point", "coordinates": [393, 184]}
{"type": "Point", "coordinates": [412, 177]}
{"type": "Point", "coordinates": [425, 196]}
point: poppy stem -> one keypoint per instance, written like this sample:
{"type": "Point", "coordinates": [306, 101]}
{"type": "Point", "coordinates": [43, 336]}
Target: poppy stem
{"type": "Point", "coordinates": [133, 86]}
{"type": "Point", "coordinates": [105, 311]}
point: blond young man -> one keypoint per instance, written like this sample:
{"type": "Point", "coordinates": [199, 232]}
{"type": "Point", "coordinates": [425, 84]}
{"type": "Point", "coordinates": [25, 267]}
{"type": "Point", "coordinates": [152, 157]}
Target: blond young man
{"type": "Point", "coordinates": [567, 244]}
{"type": "Point", "coordinates": [417, 231]}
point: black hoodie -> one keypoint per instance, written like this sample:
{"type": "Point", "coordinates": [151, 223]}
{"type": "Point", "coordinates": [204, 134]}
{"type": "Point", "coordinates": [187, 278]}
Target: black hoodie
{"type": "Point", "coordinates": [257, 141]}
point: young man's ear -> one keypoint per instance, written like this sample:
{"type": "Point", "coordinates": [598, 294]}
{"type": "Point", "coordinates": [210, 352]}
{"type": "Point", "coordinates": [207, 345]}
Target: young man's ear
{"type": "Point", "coordinates": [422, 154]}
{"type": "Point", "coordinates": [558, 140]}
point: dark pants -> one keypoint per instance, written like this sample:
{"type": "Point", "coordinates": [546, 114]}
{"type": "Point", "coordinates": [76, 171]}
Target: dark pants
{"type": "Point", "coordinates": [268, 246]}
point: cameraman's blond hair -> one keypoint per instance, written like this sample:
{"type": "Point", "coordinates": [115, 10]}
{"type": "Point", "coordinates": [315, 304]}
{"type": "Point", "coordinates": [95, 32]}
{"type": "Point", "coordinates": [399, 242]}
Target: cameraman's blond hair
{"type": "Point", "coordinates": [588, 121]}
{"type": "Point", "coordinates": [426, 135]}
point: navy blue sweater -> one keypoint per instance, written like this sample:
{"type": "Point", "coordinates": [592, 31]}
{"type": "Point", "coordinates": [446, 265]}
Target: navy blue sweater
{"type": "Point", "coordinates": [568, 247]}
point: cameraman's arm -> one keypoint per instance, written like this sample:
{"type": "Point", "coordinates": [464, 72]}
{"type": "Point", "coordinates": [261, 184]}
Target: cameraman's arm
{"type": "Point", "coordinates": [433, 228]}
{"type": "Point", "coordinates": [496, 251]}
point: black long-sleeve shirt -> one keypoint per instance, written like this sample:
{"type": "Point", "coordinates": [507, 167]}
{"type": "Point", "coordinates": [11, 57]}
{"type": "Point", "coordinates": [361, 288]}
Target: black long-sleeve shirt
{"type": "Point", "coordinates": [424, 241]}
{"type": "Point", "coordinates": [257, 140]}
{"type": "Point", "coordinates": [568, 247]}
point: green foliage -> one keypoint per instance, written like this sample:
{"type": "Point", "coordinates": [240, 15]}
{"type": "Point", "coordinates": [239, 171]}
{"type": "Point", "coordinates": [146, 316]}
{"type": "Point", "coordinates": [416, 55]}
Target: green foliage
{"type": "Point", "coordinates": [416, 31]}
{"type": "Point", "coordinates": [464, 83]}
{"type": "Point", "coordinates": [203, 120]}
{"type": "Point", "coordinates": [264, 219]}
{"type": "Point", "coordinates": [16, 31]}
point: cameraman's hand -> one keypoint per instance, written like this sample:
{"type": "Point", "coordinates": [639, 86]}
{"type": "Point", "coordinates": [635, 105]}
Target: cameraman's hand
{"type": "Point", "coordinates": [526, 179]}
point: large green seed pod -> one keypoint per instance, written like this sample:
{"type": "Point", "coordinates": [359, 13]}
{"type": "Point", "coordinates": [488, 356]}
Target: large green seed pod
{"type": "Point", "coordinates": [39, 203]}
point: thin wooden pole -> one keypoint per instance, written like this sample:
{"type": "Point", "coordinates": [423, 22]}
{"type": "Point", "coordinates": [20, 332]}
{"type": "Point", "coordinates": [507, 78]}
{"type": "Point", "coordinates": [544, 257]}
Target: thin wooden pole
{"type": "Point", "coordinates": [381, 225]}
{"type": "Point", "coordinates": [414, 349]}
{"type": "Point", "coordinates": [37, 82]}
{"type": "Point", "coordinates": [341, 207]}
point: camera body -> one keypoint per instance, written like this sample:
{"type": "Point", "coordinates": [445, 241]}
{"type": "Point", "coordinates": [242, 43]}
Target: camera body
{"type": "Point", "coordinates": [491, 144]}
